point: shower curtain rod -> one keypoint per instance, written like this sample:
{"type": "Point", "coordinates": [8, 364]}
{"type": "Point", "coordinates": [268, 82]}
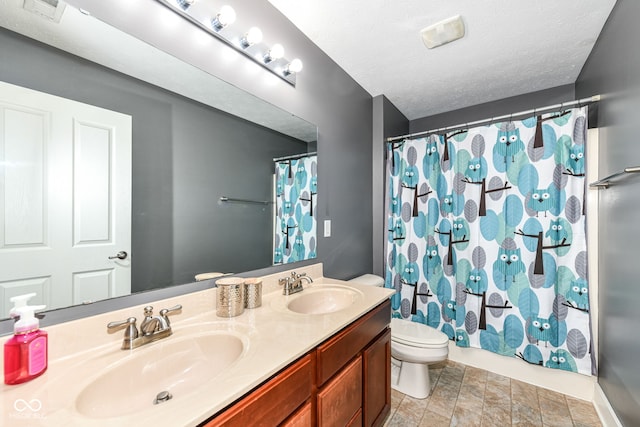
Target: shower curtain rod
{"type": "Point", "coordinates": [295, 156]}
{"type": "Point", "coordinates": [583, 101]}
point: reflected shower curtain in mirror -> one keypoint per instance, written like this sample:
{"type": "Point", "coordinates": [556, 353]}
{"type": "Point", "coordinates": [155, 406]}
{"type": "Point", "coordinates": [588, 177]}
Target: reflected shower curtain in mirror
{"type": "Point", "coordinates": [486, 237]}
{"type": "Point", "coordinates": [295, 227]}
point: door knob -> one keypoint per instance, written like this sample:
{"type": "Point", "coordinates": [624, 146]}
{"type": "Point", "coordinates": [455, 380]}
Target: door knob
{"type": "Point", "coordinates": [119, 255]}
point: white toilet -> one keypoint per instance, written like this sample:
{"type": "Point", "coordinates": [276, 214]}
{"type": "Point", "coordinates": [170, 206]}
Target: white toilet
{"type": "Point", "coordinates": [414, 346]}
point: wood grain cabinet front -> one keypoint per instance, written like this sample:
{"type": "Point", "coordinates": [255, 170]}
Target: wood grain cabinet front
{"type": "Point", "coordinates": [345, 381]}
{"type": "Point", "coordinates": [341, 398]}
{"type": "Point", "coordinates": [273, 402]}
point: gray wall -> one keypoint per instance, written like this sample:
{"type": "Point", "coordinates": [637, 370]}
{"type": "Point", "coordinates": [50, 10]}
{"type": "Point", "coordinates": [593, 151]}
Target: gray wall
{"type": "Point", "coordinates": [325, 95]}
{"type": "Point", "coordinates": [184, 157]}
{"type": "Point", "coordinates": [387, 121]}
{"type": "Point", "coordinates": [613, 70]}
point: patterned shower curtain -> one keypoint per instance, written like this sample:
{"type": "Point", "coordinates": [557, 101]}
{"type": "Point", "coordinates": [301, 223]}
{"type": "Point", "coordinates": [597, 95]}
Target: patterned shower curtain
{"type": "Point", "coordinates": [486, 237]}
{"type": "Point", "coordinates": [295, 227]}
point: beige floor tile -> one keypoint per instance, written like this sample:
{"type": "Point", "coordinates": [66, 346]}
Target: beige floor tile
{"type": "Point", "coordinates": [496, 416]}
{"type": "Point", "coordinates": [543, 393]}
{"type": "Point", "coordinates": [398, 420]}
{"type": "Point", "coordinates": [431, 419]}
{"type": "Point", "coordinates": [555, 412]}
{"type": "Point", "coordinates": [497, 396]}
{"type": "Point", "coordinates": [443, 398]}
{"type": "Point", "coordinates": [467, 416]}
{"type": "Point", "coordinates": [524, 394]}
{"type": "Point", "coordinates": [494, 378]}
{"type": "Point", "coordinates": [396, 398]}
{"type": "Point", "coordinates": [525, 415]}
{"type": "Point", "coordinates": [468, 397]}
{"type": "Point", "coordinates": [411, 410]}
{"type": "Point", "coordinates": [583, 412]}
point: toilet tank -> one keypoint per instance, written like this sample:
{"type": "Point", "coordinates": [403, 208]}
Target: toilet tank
{"type": "Point", "coordinates": [368, 279]}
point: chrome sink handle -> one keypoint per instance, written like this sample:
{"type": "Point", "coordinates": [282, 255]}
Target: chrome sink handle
{"type": "Point", "coordinates": [293, 284]}
{"type": "Point", "coordinates": [131, 331]}
{"type": "Point", "coordinates": [164, 313]}
{"type": "Point", "coordinates": [151, 323]}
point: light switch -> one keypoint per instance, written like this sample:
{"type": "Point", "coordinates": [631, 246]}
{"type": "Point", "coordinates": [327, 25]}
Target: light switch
{"type": "Point", "coordinates": [327, 228]}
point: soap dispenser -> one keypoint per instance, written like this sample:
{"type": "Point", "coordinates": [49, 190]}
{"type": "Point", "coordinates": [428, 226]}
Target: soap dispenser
{"type": "Point", "coordinates": [25, 354]}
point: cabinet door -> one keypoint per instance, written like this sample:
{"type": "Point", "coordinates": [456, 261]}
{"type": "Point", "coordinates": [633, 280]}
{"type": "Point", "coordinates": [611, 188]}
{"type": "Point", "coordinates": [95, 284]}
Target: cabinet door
{"type": "Point", "coordinates": [334, 353]}
{"type": "Point", "coordinates": [273, 402]}
{"type": "Point", "coordinates": [377, 380]}
{"type": "Point", "coordinates": [341, 398]}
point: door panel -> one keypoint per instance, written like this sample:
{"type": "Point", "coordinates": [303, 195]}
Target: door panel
{"type": "Point", "coordinates": [65, 199]}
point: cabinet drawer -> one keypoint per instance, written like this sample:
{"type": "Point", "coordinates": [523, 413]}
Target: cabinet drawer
{"type": "Point", "coordinates": [338, 350]}
{"type": "Point", "coordinates": [272, 402]}
{"type": "Point", "coordinates": [341, 398]}
{"type": "Point", "coordinates": [302, 417]}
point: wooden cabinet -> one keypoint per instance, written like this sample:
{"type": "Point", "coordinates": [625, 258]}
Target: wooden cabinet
{"type": "Point", "coordinates": [367, 344]}
{"type": "Point", "coordinates": [376, 363]}
{"type": "Point", "coordinates": [301, 418]}
{"type": "Point", "coordinates": [341, 398]}
{"type": "Point", "coordinates": [345, 381]}
{"type": "Point", "coordinates": [272, 402]}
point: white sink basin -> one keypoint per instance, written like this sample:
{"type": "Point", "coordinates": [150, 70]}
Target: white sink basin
{"type": "Point", "coordinates": [323, 299]}
{"type": "Point", "coordinates": [177, 365]}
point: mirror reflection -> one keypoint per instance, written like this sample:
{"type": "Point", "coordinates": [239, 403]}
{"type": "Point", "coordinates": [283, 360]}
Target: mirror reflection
{"type": "Point", "coordinates": [193, 140]}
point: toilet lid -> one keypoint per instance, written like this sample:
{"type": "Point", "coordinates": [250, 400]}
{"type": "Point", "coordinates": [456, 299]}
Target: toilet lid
{"type": "Point", "coordinates": [416, 334]}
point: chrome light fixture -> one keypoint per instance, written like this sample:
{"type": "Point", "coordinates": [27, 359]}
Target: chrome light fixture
{"type": "Point", "coordinates": [253, 36]}
{"type": "Point", "coordinates": [248, 42]}
{"type": "Point", "coordinates": [225, 17]}
{"type": "Point", "coordinates": [294, 66]}
{"type": "Point", "coordinates": [276, 52]}
{"type": "Point", "coordinates": [185, 4]}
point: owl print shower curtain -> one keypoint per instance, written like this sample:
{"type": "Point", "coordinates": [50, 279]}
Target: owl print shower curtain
{"type": "Point", "coordinates": [486, 237]}
{"type": "Point", "coordinates": [295, 219]}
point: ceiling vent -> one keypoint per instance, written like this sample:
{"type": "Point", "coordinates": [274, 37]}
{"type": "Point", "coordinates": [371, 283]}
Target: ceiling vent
{"type": "Point", "coordinates": [443, 32]}
{"type": "Point", "coordinates": [48, 9]}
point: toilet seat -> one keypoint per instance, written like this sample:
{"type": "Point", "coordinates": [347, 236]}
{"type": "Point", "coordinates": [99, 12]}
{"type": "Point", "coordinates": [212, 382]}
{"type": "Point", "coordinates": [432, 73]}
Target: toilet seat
{"type": "Point", "coordinates": [417, 335]}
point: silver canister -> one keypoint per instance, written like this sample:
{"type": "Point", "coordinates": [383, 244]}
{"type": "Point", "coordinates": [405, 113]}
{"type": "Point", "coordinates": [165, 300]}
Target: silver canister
{"type": "Point", "coordinates": [252, 293]}
{"type": "Point", "coordinates": [230, 297]}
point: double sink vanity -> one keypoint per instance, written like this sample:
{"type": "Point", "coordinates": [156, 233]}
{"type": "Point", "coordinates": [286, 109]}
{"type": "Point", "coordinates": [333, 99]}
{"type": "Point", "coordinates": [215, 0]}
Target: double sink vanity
{"type": "Point", "coordinates": [316, 357]}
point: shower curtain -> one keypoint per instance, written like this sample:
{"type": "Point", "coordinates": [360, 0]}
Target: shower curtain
{"type": "Point", "coordinates": [486, 237]}
{"type": "Point", "coordinates": [295, 227]}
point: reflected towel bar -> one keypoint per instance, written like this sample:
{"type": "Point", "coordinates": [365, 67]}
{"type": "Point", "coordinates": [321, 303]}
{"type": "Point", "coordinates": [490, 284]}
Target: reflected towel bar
{"type": "Point", "coordinates": [604, 182]}
{"type": "Point", "coordinates": [233, 200]}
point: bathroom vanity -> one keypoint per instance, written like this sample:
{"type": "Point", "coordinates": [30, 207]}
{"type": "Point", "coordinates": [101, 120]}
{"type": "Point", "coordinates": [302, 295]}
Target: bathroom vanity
{"type": "Point", "coordinates": [319, 357]}
{"type": "Point", "coordinates": [343, 381]}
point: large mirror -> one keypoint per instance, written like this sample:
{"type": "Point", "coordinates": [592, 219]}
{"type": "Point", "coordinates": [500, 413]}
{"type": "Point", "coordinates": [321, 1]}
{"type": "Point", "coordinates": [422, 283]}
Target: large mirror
{"type": "Point", "coordinates": [203, 186]}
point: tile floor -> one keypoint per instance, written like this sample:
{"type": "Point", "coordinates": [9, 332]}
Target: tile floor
{"type": "Point", "coordinates": [467, 396]}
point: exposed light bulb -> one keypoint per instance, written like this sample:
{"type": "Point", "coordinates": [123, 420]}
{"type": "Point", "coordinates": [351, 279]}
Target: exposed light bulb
{"type": "Point", "coordinates": [253, 36]}
{"type": "Point", "coordinates": [294, 66]}
{"type": "Point", "coordinates": [276, 52]}
{"type": "Point", "coordinates": [185, 4]}
{"type": "Point", "coordinates": [225, 17]}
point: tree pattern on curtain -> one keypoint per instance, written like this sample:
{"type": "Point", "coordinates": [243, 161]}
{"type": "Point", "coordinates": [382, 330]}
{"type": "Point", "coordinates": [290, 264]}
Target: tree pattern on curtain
{"type": "Point", "coordinates": [486, 237]}
{"type": "Point", "coordinates": [295, 227]}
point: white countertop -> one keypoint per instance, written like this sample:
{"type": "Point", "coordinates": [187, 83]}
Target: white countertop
{"type": "Point", "coordinates": [82, 350]}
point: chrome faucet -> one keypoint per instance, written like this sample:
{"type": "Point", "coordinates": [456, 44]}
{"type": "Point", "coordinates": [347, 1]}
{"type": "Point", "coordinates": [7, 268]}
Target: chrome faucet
{"type": "Point", "coordinates": [152, 327]}
{"type": "Point", "coordinates": [293, 284]}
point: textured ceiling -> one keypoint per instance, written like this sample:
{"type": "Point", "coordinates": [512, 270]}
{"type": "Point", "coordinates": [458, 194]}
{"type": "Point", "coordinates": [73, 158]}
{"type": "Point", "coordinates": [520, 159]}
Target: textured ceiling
{"type": "Point", "coordinates": [511, 47]}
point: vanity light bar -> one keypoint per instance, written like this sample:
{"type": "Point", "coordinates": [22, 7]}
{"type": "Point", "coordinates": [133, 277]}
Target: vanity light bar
{"type": "Point", "coordinates": [248, 42]}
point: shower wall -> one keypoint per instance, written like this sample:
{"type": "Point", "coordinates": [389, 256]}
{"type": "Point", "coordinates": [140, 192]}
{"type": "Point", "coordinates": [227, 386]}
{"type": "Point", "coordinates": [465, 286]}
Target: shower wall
{"type": "Point", "coordinates": [613, 70]}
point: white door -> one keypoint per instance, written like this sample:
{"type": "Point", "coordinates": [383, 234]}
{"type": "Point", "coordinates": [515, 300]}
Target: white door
{"type": "Point", "coordinates": [65, 199]}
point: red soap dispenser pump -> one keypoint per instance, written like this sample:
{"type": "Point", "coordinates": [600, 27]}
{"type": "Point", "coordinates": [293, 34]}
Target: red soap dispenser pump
{"type": "Point", "coordinates": [25, 354]}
